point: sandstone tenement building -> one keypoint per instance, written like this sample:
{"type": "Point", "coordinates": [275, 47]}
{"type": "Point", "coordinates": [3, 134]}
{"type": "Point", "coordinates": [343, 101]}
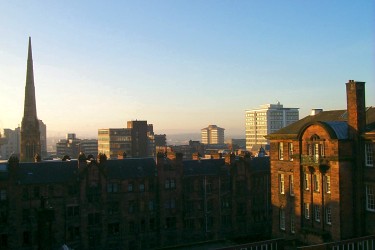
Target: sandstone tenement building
{"type": "Point", "coordinates": [323, 174]}
{"type": "Point", "coordinates": [132, 203]}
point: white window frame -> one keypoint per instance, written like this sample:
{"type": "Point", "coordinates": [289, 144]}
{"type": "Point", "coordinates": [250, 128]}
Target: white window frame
{"type": "Point", "coordinates": [306, 181]}
{"type": "Point", "coordinates": [307, 210]}
{"type": "Point", "coordinates": [290, 149]}
{"type": "Point", "coordinates": [316, 185]}
{"type": "Point", "coordinates": [292, 223]}
{"type": "Point", "coordinates": [281, 151]}
{"type": "Point", "coordinates": [3, 194]}
{"type": "Point", "coordinates": [328, 184]}
{"type": "Point", "coordinates": [369, 156]}
{"type": "Point", "coordinates": [281, 184]}
{"type": "Point", "coordinates": [328, 215]}
{"type": "Point", "coordinates": [370, 198]}
{"type": "Point", "coordinates": [291, 185]}
{"type": "Point", "coordinates": [317, 213]}
{"type": "Point", "coordinates": [282, 218]}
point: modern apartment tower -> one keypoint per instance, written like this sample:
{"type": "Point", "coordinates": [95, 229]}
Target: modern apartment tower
{"type": "Point", "coordinates": [30, 134]}
{"type": "Point", "coordinates": [212, 135]}
{"type": "Point", "coordinates": [267, 119]}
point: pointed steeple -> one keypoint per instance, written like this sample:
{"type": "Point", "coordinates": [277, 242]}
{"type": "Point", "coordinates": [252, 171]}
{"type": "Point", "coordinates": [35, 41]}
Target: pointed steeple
{"type": "Point", "coordinates": [30, 103]}
{"type": "Point", "coordinates": [30, 134]}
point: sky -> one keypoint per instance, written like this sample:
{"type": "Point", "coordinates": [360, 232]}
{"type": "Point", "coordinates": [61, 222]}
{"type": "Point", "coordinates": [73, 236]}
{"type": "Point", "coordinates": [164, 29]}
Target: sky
{"type": "Point", "coordinates": [181, 65]}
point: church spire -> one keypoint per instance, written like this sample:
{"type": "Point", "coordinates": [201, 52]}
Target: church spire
{"type": "Point", "coordinates": [30, 135]}
{"type": "Point", "coordinates": [30, 104]}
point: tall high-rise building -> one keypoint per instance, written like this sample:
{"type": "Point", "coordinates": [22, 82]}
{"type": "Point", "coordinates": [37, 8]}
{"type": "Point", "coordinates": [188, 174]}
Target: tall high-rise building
{"type": "Point", "coordinates": [43, 138]}
{"type": "Point", "coordinates": [11, 143]}
{"type": "Point", "coordinates": [265, 120]}
{"type": "Point", "coordinates": [212, 135]}
{"type": "Point", "coordinates": [137, 140]}
{"type": "Point", "coordinates": [139, 131]}
{"type": "Point", "coordinates": [30, 134]}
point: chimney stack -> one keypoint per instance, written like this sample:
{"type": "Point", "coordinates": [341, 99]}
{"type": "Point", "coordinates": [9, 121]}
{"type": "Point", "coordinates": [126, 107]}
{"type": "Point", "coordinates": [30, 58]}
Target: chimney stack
{"type": "Point", "coordinates": [356, 107]}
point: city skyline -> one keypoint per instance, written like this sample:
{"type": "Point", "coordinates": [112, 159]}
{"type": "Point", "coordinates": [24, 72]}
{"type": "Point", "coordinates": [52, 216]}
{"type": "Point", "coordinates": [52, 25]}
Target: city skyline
{"type": "Point", "coordinates": [181, 65]}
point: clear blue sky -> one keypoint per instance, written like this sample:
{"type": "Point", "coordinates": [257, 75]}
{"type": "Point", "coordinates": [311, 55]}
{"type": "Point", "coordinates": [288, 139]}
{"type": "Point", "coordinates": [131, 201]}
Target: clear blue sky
{"type": "Point", "coordinates": [181, 65]}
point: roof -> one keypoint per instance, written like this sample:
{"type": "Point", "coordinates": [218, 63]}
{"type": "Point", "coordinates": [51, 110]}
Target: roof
{"type": "Point", "coordinates": [131, 168]}
{"type": "Point", "coordinates": [333, 118]}
{"type": "Point", "coordinates": [65, 171]}
{"type": "Point", "coordinates": [260, 163]}
{"type": "Point", "coordinates": [47, 172]}
{"type": "Point", "coordinates": [203, 167]}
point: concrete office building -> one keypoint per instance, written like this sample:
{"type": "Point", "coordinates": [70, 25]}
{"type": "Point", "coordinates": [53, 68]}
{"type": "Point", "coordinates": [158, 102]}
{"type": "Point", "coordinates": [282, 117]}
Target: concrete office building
{"type": "Point", "coordinates": [11, 143]}
{"type": "Point", "coordinates": [265, 120]}
{"type": "Point", "coordinates": [212, 135]}
{"type": "Point", "coordinates": [137, 140]}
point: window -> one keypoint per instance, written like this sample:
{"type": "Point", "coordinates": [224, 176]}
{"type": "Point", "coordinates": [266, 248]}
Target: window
{"type": "Point", "coordinates": [282, 219]}
{"type": "Point", "coordinates": [290, 149]}
{"type": "Point", "coordinates": [4, 240]}
{"type": "Point", "coordinates": [94, 219]}
{"type": "Point", "coordinates": [36, 192]}
{"type": "Point", "coordinates": [25, 193]}
{"type": "Point", "coordinates": [152, 224]}
{"type": "Point", "coordinates": [170, 222]}
{"type": "Point", "coordinates": [328, 184]}
{"type": "Point", "coordinates": [130, 187]}
{"type": "Point", "coordinates": [281, 151]}
{"type": "Point", "coordinates": [291, 185]}
{"type": "Point", "coordinates": [316, 182]}
{"type": "Point", "coordinates": [141, 187]}
{"type": "Point", "coordinates": [73, 233]}
{"type": "Point", "coordinates": [317, 213]}
{"type": "Point", "coordinates": [281, 184]}
{"type": "Point", "coordinates": [131, 227]}
{"type": "Point", "coordinates": [72, 211]}
{"type": "Point", "coordinates": [292, 223]}
{"type": "Point", "coordinates": [306, 181]}
{"type": "Point", "coordinates": [27, 238]}
{"type": "Point", "coordinates": [226, 220]}
{"type": "Point", "coordinates": [170, 204]}
{"type": "Point", "coordinates": [26, 215]}
{"type": "Point", "coordinates": [170, 184]}
{"type": "Point", "coordinates": [328, 216]}
{"type": "Point", "coordinates": [189, 224]}
{"type": "Point", "coordinates": [113, 207]}
{"type": "Point", "coordinates": [151, 206]}
{"type": "Point", "coordinates": [113, 228]}
{"type": "Point", "coordinates": [369, 155]}
{"type": "Point", "coordinates": [112, 187]}
{"type": "Point", "coordinates": [131, 208]}
{"type": "Point", "coordinates": [225, 203]}
{"type": "Point", "coordinates": [3, 194]}
{"type": "Point", "coordinates": [307, 210]}
{"type": "Point", "coordinates": [370, 198]}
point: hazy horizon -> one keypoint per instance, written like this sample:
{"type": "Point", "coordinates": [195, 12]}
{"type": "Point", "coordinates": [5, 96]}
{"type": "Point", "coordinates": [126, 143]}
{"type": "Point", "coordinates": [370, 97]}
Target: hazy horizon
{"type": "Point", "coordinates": [181, 65]}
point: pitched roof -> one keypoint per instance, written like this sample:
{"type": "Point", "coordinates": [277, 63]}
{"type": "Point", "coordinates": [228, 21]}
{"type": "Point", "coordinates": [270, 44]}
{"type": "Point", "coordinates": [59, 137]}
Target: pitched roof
{"type": "Point", "coordinates": [333, 118]}
{"type": "Point", "coordinates": [203, 167]}
{"type": "Point", "coordinates": [47, 172]}
{"type": "Point", "coordinates": [131, 168]}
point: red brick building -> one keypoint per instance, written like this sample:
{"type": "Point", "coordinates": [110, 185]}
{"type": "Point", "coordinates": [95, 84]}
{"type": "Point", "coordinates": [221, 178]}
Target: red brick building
{"type": "Point", "coordinates": [132, 203]}
{"type": "Point", "coordinates": [323, 174]}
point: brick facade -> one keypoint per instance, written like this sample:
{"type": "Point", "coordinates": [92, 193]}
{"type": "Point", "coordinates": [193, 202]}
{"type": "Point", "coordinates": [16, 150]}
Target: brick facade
{"type": "Point", "coordinates": [132, 203]}
{"type": "Point", "coordinates": [329, 175]}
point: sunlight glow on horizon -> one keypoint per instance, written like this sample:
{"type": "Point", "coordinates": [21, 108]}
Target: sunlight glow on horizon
{"type": "Point", "coordinates": [181, 65]}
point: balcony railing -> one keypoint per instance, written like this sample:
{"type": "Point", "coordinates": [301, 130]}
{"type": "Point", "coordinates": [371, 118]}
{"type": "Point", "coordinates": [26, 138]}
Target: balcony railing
{"type": "Point", "coordinates": [314, 160]}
